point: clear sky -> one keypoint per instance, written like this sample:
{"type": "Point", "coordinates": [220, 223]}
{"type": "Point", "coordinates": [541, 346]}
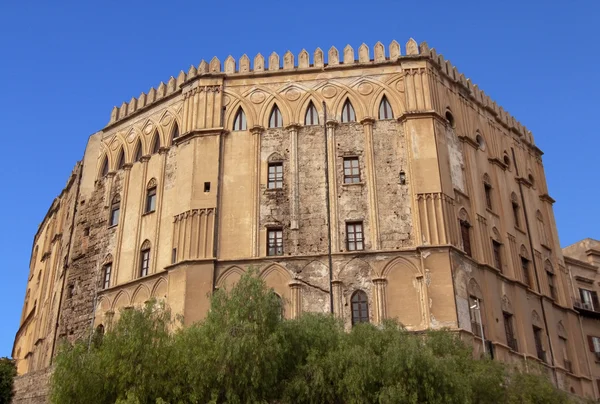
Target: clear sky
{"type": "Point", "coordinates": [65, 64]}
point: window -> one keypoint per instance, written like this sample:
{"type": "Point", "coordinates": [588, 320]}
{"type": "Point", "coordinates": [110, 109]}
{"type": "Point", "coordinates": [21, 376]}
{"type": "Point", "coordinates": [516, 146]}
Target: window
{"type": "Point", "coordinates": [144, 262]}
{"type": "Point", "coordinates": [239, 123]}
{"type": "Point", "coordinates": [138, 151]}
{"type": "Point", "coordinates": [275, 120]}
{"type": "Point", "coordinates": [526, 272]}
{"type": "Point", "coordinates": [537, 336]}
{"type": "Point", "coordinates": [115, 208]}
{"type": "Point", "coordinates": [475, 314]}
{"type": "Point", "coordinates": [348, 114]}
{"type": "Point", "coordinates": [551, 283]}
{"type": "Point", "coordinates": [450, 119]}
{"type": "Point", "coordinates": [174, 256]}
{"type": "Point", "coordinates": [104, 171]}
{"type": "Point", "coordinates": [497, 251]}
{"type": "Point", "coordinates": [175, 132]}
{"type": "Point", "coordinates": [207, 187]}
{"type": "Point", "coordinates": [121, 160]}
{"type": "Point", "coordinates": [156, 143]}
{"type": "Point", "coordinates": [360, 307]}
{"type": "Point", "coordinates": [151, 199]}
{"type": "Point", "coordinates": [312, 116]}
{"type": "Point", "coordinates": [275, 242]}
{"type": "Point", "coordinates": [275, 179]}
{"type": "Point", "coordinates": [351, 170]}
{"type": "Point", "coordinates": [70, 291]}
{"type": "Point", "coordinates": [106, 270]}
{"type": "Point", "coordinates": [594, 345]}
{"type": "Point", "coordinates": [385, 109]}
{"type": "Point", "coordinates": [511, 341]}
{"type": "Point", "coordinates": [354, 236]}
{"type": "Point", "coordinates": [515, 209]}
{"type": "Point", "coordinates": [465, 234]}
{"type": "Point", "coordinates": [487, 187]}
{"type": "Point", "coordinates": [589, 299]}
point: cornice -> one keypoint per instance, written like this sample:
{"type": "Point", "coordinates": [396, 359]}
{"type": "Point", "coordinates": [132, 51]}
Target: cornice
{"type": "Point", "coordinates": [200, 133]}
{"type": "Point", "coordinates": [431, 114]}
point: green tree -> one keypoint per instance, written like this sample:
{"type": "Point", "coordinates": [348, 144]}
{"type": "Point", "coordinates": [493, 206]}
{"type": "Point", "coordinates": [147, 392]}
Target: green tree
{"type": "Point", "coordinates": [8, 371]}
{"type": "Point", "coordinates": [243, 352]}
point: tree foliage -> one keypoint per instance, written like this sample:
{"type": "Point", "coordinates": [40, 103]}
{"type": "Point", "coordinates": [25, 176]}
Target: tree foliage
{"type": "Point", "coordinates": [8, 371]}
{"type": "Point", "coordinates": [243, 352]}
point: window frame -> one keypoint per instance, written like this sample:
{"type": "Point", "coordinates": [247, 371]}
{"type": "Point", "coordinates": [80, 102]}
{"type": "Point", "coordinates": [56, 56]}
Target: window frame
{"type": "Point", "coordinates": [348, 112]}
{"type": "Point", "coordinates": [359, 306]}
{"type": "Point", "coordinates": [539, 344]}
{"type": "Point", "coordinates": [240, 122]}
{"type": "Point", "coordinates": [311, 111]}
{"type": "Point", "coordinates": [487, 188]}
{"type": "Point", "coordinates": [388, 111]}
{"type": "Point", "coordinates": [151, 199]}
{"type": "Point", "coordinates": [497, 254]}
{"type": "Point", "coordinates": [275, 242]}
{"type": "Point", "coordinates": [355, 236]}
{"type": "Point", "coordinates": [144, 263]}
{"type": "Point", "coordinates": [275, 118]}
{"type": "Point", "coordinates": [106, 275]}
{"type": "Point", "coordinates": [465, 236]}
{"type": "Point", "coordinates": [352, 174]}
{"type": "Point", "coordinates": [526, 272]}
{"type": "Point", "coordinates": [509, 331]}
{"type": "Point", "coordinates": [275, 178]}
{"type": "Point", "coordinates": [115, 210]}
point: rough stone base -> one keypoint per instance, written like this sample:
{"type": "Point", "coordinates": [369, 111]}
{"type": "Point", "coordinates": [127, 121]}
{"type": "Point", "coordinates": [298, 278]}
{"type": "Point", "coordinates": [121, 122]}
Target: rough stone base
{"type": "Point", "coordinates": [32, 388]}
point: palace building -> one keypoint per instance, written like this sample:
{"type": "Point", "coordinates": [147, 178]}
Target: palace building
{"type": "Point", "coordinates": [372, 184]}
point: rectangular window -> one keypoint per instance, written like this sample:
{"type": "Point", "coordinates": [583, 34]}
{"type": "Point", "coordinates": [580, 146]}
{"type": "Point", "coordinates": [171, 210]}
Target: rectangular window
{"type": "Point", "coordinates": [106, 270]}
{"type": "Point", "coordinates": [526, 274]}
{"type": "Point", "coordinates": [145, 263]}
{"type": "Point", "coordinates": [275, 180]}
{"type": "Point", "coordinates": [174, 256]}
{"type": "Point", "coordinates": [207, 187]}
{"type": "Point", "coordinates": [114, 214]}
{"type": "Point", "coordinates": [551, 286]}
{"type": "Point", "coordinates": [511, 341]}
{"type": "Point", "coordinates": [497, 250]}
{"type": "Point", "coordinates": [594, 344]}
{"type": "Point", "coordinates": [151, 200]}
{"type": "Point", "coordinates": [275, 242]}
{"type": "Point", "coordinates": [354, 236]}
{"type": "Point", "coordinates": [351, 170]}
{"type": "Point", "coordinates": [589, 299]}
{"type": "Point", "coordinates": [475, 314]}
{"type": "Point", "coordinates": [466, 237]}
{"type": "Point", "coordinates": [537, 336]}
{"type": "Point", "coordinates": [488, 195]}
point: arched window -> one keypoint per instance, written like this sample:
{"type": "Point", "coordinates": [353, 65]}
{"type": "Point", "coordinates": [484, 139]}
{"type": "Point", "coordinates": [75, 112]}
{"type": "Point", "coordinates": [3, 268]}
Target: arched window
{"type": "Point", "coordinates": [138, 151]}
{"type": "Point", "coordinates": [348, 114]}
{"type": "Point", "coordinates": [239, 123]}
{"type": "Point", "coordinates": [115, 208]}
{"type": "Point", "coordinates": [151, 196]}
{"type": "Point", "coordinates": [104, 170]}
{"type": "Point", "coordinates": [155, 143]}
{"type": "Point", "coordinates": [385, 109]}
{"type": "Point", "coordinates": [497, 249]}
{"type": "Point", "coordinates": [515, 209]}
{"type": "Point", "coordinates": [275, 120]}
{"type": "Point", "coordinates": [450, 119]}
{"type": "Point", "coordinates": [360, 307]}
{"type": "Point", "coordinates": [509, 326]}
{"type": "Point", "coordinates": [145, 259]}
{"type": "Point", "coordinates": [476, 308]}
{"type": "Point", "coordinates": [312, 116]}
{"type": "Point", "coordinates": [106, 272]}
{"type": "Point", "coordinates": [465, 232]}
{"type": "Point", "coordinates": [175, 132]}
{"type": "Point", "coordinates": [526, 267]}
{"type": "Point", "coordinates": [487, 187]}
{"type": "Point", "coordinates": [551, 279]}
{"type": "Point", "coordinates": [121, 159]}
{"type": "Point", "coordinates": [280, 305]}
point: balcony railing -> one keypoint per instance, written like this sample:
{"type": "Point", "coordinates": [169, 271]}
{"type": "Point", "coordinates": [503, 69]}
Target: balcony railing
{"type": "Point", "coordinates": [512, 343]}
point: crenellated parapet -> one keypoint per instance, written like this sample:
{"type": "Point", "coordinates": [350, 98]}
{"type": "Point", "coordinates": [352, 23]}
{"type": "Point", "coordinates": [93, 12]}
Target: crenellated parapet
{"type": "Point", "coordinates": [332, 59]}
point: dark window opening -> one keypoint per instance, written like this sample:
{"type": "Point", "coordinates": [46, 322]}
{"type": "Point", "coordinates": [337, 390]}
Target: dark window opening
{"type": "Point", "coordinates": [151, 200]}
{"type": "Point", "coordinates": [511, 341]}
{"type": "Point", "coordinates": [516, 216]}
{"type": "Point", "coordinates": [115, 209]}
{"type": "Point", "coordinates": [239, 123]}
{"type": "Point", "coordinates": [144, 262]}
{"type": "Point", "coordinates": [348, 114]}
{"type": "Point", "coordinates": [174, 256]}
{"type": "Point", "coordinates": [450, 118]}
{"type": "Point", "coordinates": [526, 272]}
{"type": "Point", "coordinates": [497, 250]}
{"type": "Point", "coordinates": [360, 307]}
{"type": "Point", "coordinates": [275, 120]}
{"type": "Point", "coordinates": [312, 116]}
{"type": "Point", "coordinates": [465, 234]}
{"type": "Point", "coordinates": [488, 195]}
{"type": "Point", "coordinates": [385, 109]}
{"type": "Point", "coordinates": [207, 187]}
{"type": "Point", "coordinates": [537, 335]}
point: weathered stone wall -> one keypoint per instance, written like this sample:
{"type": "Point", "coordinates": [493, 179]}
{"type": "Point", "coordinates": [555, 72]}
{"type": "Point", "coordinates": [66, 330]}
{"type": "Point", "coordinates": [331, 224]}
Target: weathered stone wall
{"type": "Point", "coordinates": [33, 387]}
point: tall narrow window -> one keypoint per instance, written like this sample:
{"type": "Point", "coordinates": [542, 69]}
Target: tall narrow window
{"type": "Point", "coordinates": [144, 262]}
{"type": "Point", "coordinates": [312, 116]}
{"type": "Point", "coordinates": [104, 170]}
{"type": "Point", "coordinates": [275, 242]}
{"type": "Point", "coordinates": [348, 114]}
{"type": "Point", "coordinates": [151, 197]}
{"type": "Point", "coordinates": [385, 109]}
{"type": "Point", "coordinates": [589, 299]}
{"type": "Point", "coordinates": [594, 345]}
{"type": "Point", "coordinates": [516, 210]}
{"type": "Point", "coordinates": [487, 187]}
{"type": "Point", "coordinates": [275, 179]}
{"type": "Point", "coordinates": [106, 270]}
{"type": "Point", "coordinates": [563, 347]}
{"type": "Point", "coordinates": [539, 347]}
{"type": "Point", "coordinates": [360, 307]}
{"type": "Point", "coordinates": [351, 170]}
{"type": "Point", "coordinates": [475, 305]}
{"type": "Point", "coordinates": [138, 151]}
{"type": "Point", "coordinates": [275, 120]}
{"type": "Point", "coordinates": [542, 228]}
{"type": "Point", "coordinates": [511, 341]}
{"type": "Point", "coordinates": [115, 208]}
{"type": "Point", "coordinates": [497, 250]}
{"type": "Point", "coordinates": [121, 160]}
{"type": "Point", "coordinates": [465, 233]}
{"type": "Point", "coordinates": [551, 282]}
{"type": "Point", "coordinates": [526, 272]}
{"type": "Point", "coordinates": [239, 123]}
{"type": "Point", "coordinates": [354, 236]}
{"type": "Point", "coordinates": [175, 132]}
{"type": "Point", "coordinates": [156, 143]}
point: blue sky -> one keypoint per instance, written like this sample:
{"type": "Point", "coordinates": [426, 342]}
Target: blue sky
{"type": "Point", "coordinates": [65, 64]}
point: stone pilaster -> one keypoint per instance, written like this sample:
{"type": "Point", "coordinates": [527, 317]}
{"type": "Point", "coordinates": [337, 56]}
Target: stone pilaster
{"type": "Point", "coordinates": [296, 299]}
{"type": "Point", "coordinates": [371, 183]}
{"type": "Point", "coordinates": [257, 132]}
{"type": "Point", "coordinates": [333, 187]}
{"type": "Point", "coordinates": [379, 299]}
{"type": "Point", "coordinates": [338, 306]}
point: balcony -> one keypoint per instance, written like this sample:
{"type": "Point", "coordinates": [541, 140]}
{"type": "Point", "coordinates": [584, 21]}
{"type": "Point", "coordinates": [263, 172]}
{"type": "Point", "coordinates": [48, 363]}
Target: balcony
{"type": "Point", "coordinates": [512, 343]}
{"type": "Point", "coordinates": [586, 309]}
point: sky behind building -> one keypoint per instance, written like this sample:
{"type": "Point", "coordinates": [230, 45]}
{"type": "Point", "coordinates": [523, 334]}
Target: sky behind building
{"type": "Point", "coordinates": [65, 65]}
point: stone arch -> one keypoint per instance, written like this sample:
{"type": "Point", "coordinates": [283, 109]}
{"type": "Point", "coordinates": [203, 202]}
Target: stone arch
{"type": "Point", "coordinates": [474, 290]}
{"type": "Point", "coordinates": [561, 330]}
{"type": "Point", "coordinates": [151, 183]}
{"type": "Point", "coordinates": [523, 252]}
{"type": "Point", "coordinates": [103, 306]}
{"type": "Point", "coordinates": [103, 164]}
{"type": "Point", "coordinates": [138, 149]}
{"type": "Point", "coordinates": [304, 102]}
{"type": "Point", "coordinates": [165, 128]}
{"type": "Point", "coordinates": [496, 235]}
{"type": "Point", "coordinates": [404, 292]}
{"type": "Point", "coordinates": [232, 109]}
{"type": "Point", "coordinates": [548, 266]}
{"type": "Point", "coordinates": [267, 108]}
{"type": "Point", "coordinates": [146, 245]}
{"type": "Point", "coordinates": [275, 157]}
{"type": "Point", "coordinates": [160, 289]}
{"type": "Point", "coordinates": [514, 198]}
{"type": "Point", "coordinates": [355, 100]}
{"type": "Point", "coordinates": [229, 277]}
{"type": "Point", "coordinates": [278, 278]}
{"type": "Point", "coordinates": [140, 296]}
{"type": "Point", "coordinates": [506, 306]}
{"type": "Point", "coordinates": [122, 300]}
{"type": "Point", "coordinates": [383, 90]}
{"type": "Point", "coordinates": [464, 215]}
{"type": "Point", "coordinates": [536, 320]}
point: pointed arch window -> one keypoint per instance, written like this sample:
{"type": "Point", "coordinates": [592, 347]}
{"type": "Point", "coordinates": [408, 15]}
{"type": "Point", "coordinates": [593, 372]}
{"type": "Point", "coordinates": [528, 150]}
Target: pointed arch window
{"type": "Point", "coordinates": [155, 143]}
{"type": "Point", "coordinates": [175, 132]}
{"type": "Point", "coordinates": [360, 307]}
{"type": "Point", "coordinates": [385, 109]}
{"type": "Point", "coordinates": [239, 123]}
{"type": "Point", "coordinates": [312, 116]}
{"type": "Point", "coordinates": [465, 233]}
{"type": "Point", "coordinates": [106, 272]}
{"type": "Point", "coordinates": [275, 120]}
{"type": "Point", "coordinates": [487, 187]}
{"type": "Point", "coordinates": [151, 196]}
{"type": "Point", "coordinates": [348, 114]}
{"type": "Point", "coordinates": [516, 210]}
{"type": "Point", "coordinates": [138, 151]}
{"type": "Point", "coordinates": [121, 160]}
{"type": "Point", "coordinates": [115, 208]}
{"type": "Point", "coordinates": [551, 279]}
{"type": "Point", "coordinates": [145, 259]}
{"type": "Point", "coordinates": [104, 170]}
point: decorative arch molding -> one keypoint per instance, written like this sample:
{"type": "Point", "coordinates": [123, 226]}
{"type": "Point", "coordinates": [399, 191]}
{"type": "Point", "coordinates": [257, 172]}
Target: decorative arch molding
{"type": "Point", "coordinates": [275, 157]}
{"type": "Point", "coordinates": [303, 103]}
{"type": "Point", "coordinates": [506, 306]}
{"type": "Point", "coordinates": [107, 259]}
{"type": "Point", "coordinates": [383, 90]}
{"type": "Point", "coordinates": [140, 295]}
{"type": "Point", "coordinates": [464, 215]}
{"type": "Point", "coordinates": [146, 245]}
{"type": "Point", "coordinates": [336, 103]}
{"type": "Point", "coordinates": [523, 252]}
{"type": "Point", "coordinates": [275, 268]}
{"type": "Point", "coordinates": [235, 102]}
{"type": "Point", "coordinates": [496, 234]}
{"type": "Point", "coordinates": [268, 105]}
{"type": "Point", "coordinates": [536, 319]}
{"type": "Point", "coordinates": [160, 289]}
{"type": "Point", "coordinates": [474, 289]}
{"type": "Point", "coordinates": [561, 330]}
{"type": "Point", "coordinates": [358, 265]}
{"type": "Point", "coordinates": [122, 300]}
{"type": "Point", "coordinates": [400, 261]}
{"type": "Point", "coordinates": [231, 274]}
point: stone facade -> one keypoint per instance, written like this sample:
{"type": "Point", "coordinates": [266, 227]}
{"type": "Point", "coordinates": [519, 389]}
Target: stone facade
{"type": "Point", "coordinates": [180, 193]}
